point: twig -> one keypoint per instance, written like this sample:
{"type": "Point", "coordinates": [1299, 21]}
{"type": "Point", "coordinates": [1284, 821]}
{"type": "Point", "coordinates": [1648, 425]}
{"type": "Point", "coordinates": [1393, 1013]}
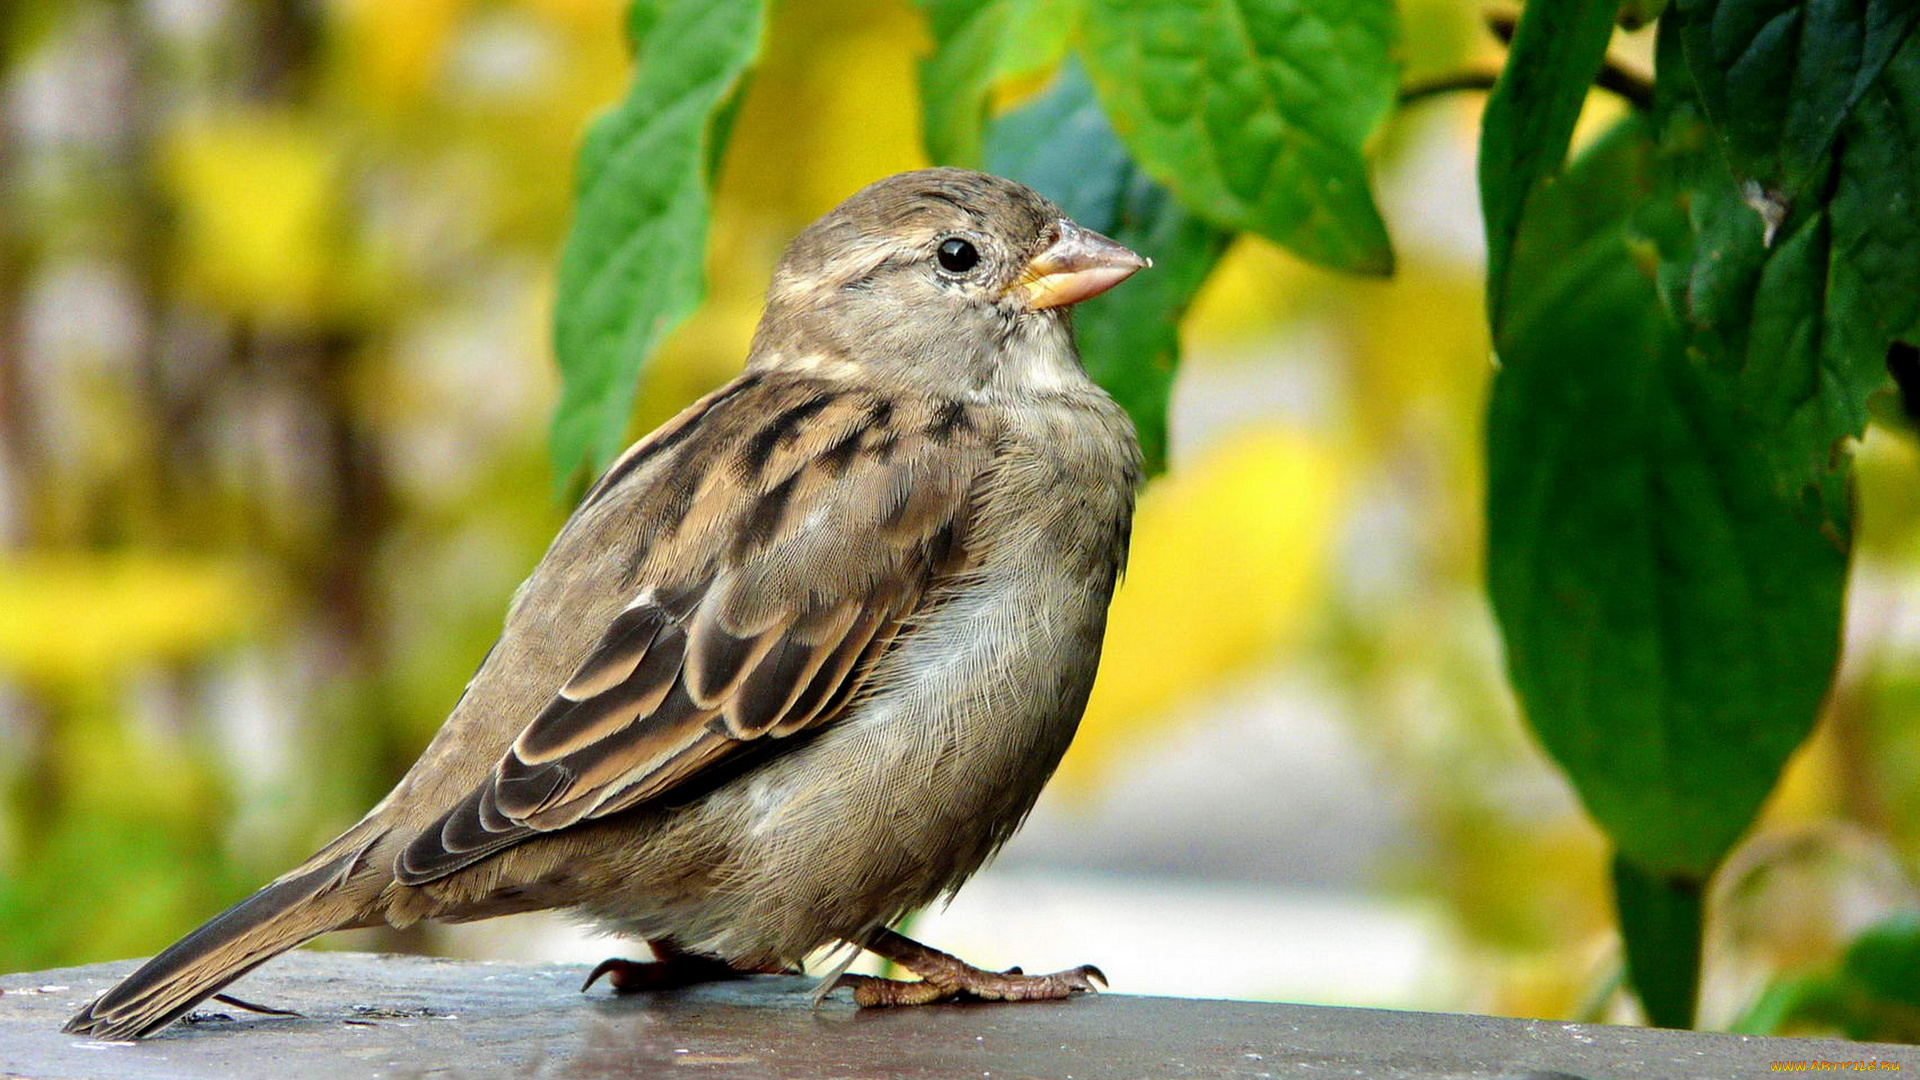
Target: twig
{"type": "Point", "coordinates": [1630, 86]}
{"type": "Point", "coordinates": [1422, 89]}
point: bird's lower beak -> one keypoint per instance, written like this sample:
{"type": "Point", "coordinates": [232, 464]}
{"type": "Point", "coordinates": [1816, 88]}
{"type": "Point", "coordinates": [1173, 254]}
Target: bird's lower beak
{"type": "Point", "coordinates": [1080, 263]}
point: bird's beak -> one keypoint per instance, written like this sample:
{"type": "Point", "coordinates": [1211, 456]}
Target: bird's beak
{"type": "Point", "coordinates": [1078, 264]}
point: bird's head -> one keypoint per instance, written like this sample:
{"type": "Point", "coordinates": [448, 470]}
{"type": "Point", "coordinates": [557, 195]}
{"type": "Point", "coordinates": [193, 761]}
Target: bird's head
{"type": "Point", "coordinates": [941, 273]}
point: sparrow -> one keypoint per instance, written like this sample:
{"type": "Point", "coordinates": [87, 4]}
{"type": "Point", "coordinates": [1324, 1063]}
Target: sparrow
{"type": "Point", "coordinates": [800, 661]}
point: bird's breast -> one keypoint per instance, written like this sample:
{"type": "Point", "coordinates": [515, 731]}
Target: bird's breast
{"type": "Point", "coordinates": [972, 709]}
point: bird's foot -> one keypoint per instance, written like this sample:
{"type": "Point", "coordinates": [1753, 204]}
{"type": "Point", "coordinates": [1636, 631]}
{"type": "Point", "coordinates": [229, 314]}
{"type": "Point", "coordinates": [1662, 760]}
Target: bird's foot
{"type": "Point", "coordinates": [947, 978]}
{"type": "Point", "coordinates": [671, 972]}
{"type": "Point", "coordinates": [871, 992]}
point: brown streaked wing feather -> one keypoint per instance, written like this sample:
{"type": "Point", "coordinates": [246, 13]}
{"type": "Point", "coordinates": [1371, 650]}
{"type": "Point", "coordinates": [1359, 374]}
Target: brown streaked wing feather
{"type": "Point", "coordinates": [705, 749]}
{"type": "Point", "coordinates": [668, 436]}
{"type": "Point", "coordinates": [766, 695]}
{"type": "Point", "coordinates": [603, 770]}
{"type": "Point", "coordinates": [568, 725]}
{"type": "Point", "coordinates": [468, 833]}
{"type": "Point", "coordinates": [822, 693]}
{"type": "Point", "coordinates": [824, 518]}
{"type": "Point", "coordinates": [718, 658]}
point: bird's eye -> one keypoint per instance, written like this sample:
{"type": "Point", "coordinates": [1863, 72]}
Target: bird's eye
{"type": "Point", "coordinates": [957, 256]}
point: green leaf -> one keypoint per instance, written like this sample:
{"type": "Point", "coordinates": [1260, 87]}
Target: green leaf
{"type": "Point", "coordinates": [1875, 202]}
{"type": "Point", "coordinates": [1671, 620]}
{"type": "Point", "coordinates": [1873, 993]}
{"type": "Point", "coordinates": [1780, 77]}
{"type": "Point", "coordinates": [1685, 359]}
{"type": "Point", "coordinates": [979, 44]}
{"type": "Point", "coordinates": [632, 268]}
{"type": "Point", "coordinates": [1884, 960]}
{"type": "Point", "coordinates": [1787, 1001]}
{"type": "Point", "coordinates": [1062, 146]}
{"type": "Point", "coordinates": [1256, 112]}
{"type": "Point", "coordinates": [1671, 617]}
{"type": "Point", "coordinates": [1557, 50]}
{"type": "Point", "coordinates": [1799, 321]}
{"type": "Point", "coordinates": [1661, 919]}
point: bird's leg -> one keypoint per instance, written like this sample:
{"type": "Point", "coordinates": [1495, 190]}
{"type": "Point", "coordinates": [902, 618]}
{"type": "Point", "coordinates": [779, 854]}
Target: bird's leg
{"type": "Point", "coordinates": [669, 970]}
{"type": "Point", "coordinates": [946, 978]}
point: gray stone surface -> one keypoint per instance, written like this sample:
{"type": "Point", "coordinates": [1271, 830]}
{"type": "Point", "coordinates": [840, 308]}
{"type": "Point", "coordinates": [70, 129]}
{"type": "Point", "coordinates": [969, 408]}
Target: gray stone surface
{"type": "Point", "coordinates": [379, 1016]}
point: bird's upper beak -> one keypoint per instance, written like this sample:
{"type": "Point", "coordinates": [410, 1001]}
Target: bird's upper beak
{"type": "Point", "coordinates": [1078, 264]}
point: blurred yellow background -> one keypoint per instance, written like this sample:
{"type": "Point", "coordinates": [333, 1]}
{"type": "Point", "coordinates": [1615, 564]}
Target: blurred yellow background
{"type": "Point", "coordinates": [274, 384]}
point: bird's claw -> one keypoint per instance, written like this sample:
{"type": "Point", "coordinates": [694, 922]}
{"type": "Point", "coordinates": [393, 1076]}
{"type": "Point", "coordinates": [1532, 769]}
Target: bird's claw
{"type": "Point", "coordinates": [673, 971]}
{"type": "Point", "coordinates": [620, 970]}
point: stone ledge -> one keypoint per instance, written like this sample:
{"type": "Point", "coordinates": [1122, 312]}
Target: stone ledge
{"type": "Point", "coordinates": [397, 1017]}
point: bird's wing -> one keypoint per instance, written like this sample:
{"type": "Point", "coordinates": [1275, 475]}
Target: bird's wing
{"type": "Point", "coordinates": [789, 530]}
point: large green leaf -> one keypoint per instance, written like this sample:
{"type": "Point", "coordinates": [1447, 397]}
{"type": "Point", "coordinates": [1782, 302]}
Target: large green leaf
{"type": "Point", "coordinates": [1256, 112]}
{"type": "Point", "coordinates": [1062, 145]}
{"type": "Point", "coordinates": [1670, 513]}
{"type": "Point", "coordinates": [979, 44]}
{"type": "Point", "coordinates": [1671, 619]}
{"type": "Point", "coordinates": [632, 269]}
{"type": "Point", "coordinates": [1557, 49]}
{"type": "Point", "coordinates": [1671, 615]}
{"type": "Point", "coordinates": [1780, 77]}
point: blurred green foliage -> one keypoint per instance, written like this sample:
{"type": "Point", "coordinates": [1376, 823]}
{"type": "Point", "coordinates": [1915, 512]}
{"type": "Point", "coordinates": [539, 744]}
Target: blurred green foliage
{"type": "Point", "coordinates": [276, 282]}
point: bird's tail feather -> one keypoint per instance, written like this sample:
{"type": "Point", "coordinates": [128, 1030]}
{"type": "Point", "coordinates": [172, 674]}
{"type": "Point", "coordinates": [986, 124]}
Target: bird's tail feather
{"type": "Point", "coordinates": [286, 913]}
